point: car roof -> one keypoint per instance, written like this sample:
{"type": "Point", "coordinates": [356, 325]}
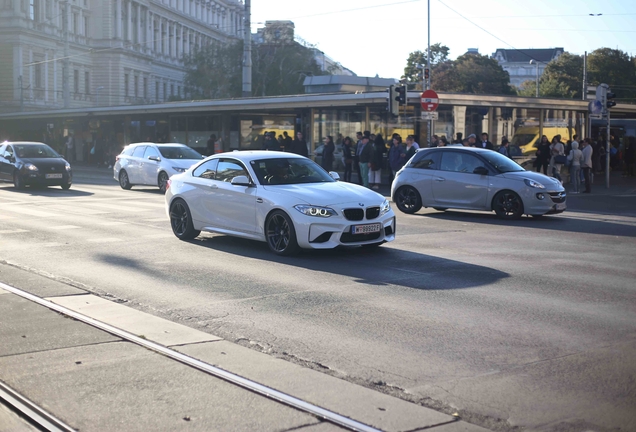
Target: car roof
{"type": "Point", "coordinates": [157, 144]}
{"type": "Point", "coordinates": [249, 155]}
{"type": "Point", "coordinates": [23, 142]}
{"type": "Point", "coordinates": [456, 147]}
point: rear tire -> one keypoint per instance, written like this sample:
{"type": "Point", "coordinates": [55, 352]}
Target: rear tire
{"type": "Point", "coordinates": [162, 181]}
{"type": "Point", "coordinates": [124, 181]}
{"type": "Point", "coordinates": [181, 221]}
{"type": "Point", "coordinates": [281, 234]}
{"type": "Point", "coordinates": [408, 200]}
{"type": "Point", "coordinates": [18, 183]}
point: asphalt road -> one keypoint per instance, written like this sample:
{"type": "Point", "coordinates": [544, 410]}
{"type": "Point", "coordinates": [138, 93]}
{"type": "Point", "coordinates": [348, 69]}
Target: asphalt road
{"type": "Point", "coordinates": [530, 323]}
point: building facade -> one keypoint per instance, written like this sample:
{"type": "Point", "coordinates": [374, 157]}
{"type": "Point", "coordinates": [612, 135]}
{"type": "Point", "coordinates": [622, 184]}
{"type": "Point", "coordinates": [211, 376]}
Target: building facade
{"type": "Point", "coordinates": [517, 62]}
{"type": "Point", "coordinates": [87, 53]}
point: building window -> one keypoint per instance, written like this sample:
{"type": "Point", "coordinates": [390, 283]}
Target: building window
{"type": "Point", "coordinates": [157, 90]}
{"type": "Point", "coordinates": [126, 84]}
{"type": "Point", "coordinates": [38, 76]}
{"type": "Point", "coordinates": [145, 88]}
{"type": "Point", "coordinates": [171, 89]}
{"type": "Point", "coordinates": [87, 83]}
{"type": "Point", "coordinates": [136, 89]}
{"type": "Point", "coordinates": [86, 26]}
{"type": "Point", "coordinates": [76, 81]}
{"type": "Point", "coordinates": [179, 91]}
{"type": "Point", "coordinates": [34, 12]}
{"type": "Point", "coordinates": [165, 91]}
{"type": "Point", "coordinates": [75, 29]}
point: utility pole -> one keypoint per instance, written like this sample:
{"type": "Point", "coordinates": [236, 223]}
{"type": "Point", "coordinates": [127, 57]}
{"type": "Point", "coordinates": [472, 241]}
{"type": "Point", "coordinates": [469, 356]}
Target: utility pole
{"type": "Point", "coordinates": [65, 62]}
{"type": "Point", "coordinates": [584, 95]}
{"type": "Point", "coordinates": [428, 67]}
{"type": "Point", "coordinates": [247, 51]}
{"type": "Point", "coordinates": [21, 93]}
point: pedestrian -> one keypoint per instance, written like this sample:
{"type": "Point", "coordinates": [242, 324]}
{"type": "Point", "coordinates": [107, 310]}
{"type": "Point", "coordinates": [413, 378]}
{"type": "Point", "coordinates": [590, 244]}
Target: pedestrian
{"type": "Point", "coordinates": [472, 140]}
{"type": "Point", "coordinates": [410, 149]}
{"type": "Point", "coordinates": [269, 143]}
{"type": "Point", "coordinates": [327, 154]}
{"type": "Point", "coordinates": [356, 159]}
{"type": "Point", "coordinates": [543, 155]}
{"type": "Point", "coordinates": [503, 148]}
{"type": "Point", "coordinates": [299, 146]}
{"type": "Point", "coordinates": [557, 149]}
{"type": "Point", "coordinates": [375, 172]}
{"type": "Point", "coordinates": [347, 156]}
{"type": "Point", "coordinates": [574, 159]}
{"type": "Point", "coordinates": [485, 143]}
{"type": "Point", "coordinates": [209, 148]}
{"type": "Point", "coordinates": [69, 148]}
{"type": "Point", "coordinates": [288, 141]}
{"type": "Point", "coordinates": [397, 156]}
{"type": "Point", "coordinates": [459, 139]}
{"type": "Point", "coordinates": [365, 156]}
{"type": "Point", "coordinates": [630, 156]}
{"type": "Point", "coordinates": [586, 164]}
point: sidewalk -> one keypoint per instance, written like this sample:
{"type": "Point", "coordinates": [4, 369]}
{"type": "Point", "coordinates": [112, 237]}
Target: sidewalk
{"type": "Point", "coordinates": [96, 380]}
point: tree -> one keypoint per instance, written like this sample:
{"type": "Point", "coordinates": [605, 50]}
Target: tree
{"type": "Point", "coordinates": [615, 68]}
{"type": "Point", "coordinates": [412, 75]}
{"type": "Point", "coordinates": [472, 73]}
{"type": "Point", "coordinates": [214, 71]}
{"type": "Point", "coordinates": [562, 77]}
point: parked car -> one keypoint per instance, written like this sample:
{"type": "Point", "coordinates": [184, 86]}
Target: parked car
{"type": "Point", "coordinates": [152, 164]}
{"type": "Point", "coordinates": [474, 179]}
{"type": "Point", "coordinates": [283, 199]}
{"type": "Point", "coordinates": [33, 164]}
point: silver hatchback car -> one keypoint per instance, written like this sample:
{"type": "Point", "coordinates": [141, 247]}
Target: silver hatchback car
{"type": "Point", "coordinates": [152, 164]}
{"type": "Point", "coordinates": [474, 179]}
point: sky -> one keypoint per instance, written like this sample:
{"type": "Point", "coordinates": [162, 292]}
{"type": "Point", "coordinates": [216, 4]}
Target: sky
{"type": "Point", "coordinates": [375, 37]}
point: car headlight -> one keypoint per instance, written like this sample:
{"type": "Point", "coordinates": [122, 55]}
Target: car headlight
{"type": "Point", "coordinates": [31, 167]}
{"type": "Point", "coordinates": [385, 207]}
{"type": "Point", "coordinates": [179, 169]}
{"type": "Point", "coordinates": [315, 210]}
{"type": "Point", "coordinates": [68, 167]}
{"type": "Point", "coordinates": [533, 184]}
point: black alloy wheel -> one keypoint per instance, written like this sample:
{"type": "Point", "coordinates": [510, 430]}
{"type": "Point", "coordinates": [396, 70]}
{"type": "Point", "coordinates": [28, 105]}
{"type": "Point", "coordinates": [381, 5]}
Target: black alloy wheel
{"type": "Point", "coordinates": [508, 205]}
{"type": "Point", "coordinates": [18, 183]}
{"type": "Point", "coordinates": [124, 182]}
{"type": "Point", "coordinates": [163, 182]}
{"type": "Point", "coordinates": [408, 200]}
{"type": "Point", "coordinates": [66, 186]}
{"type": "Point", "coordinates": [181, 221]}
{"type": "Point", "coordinates": [280, 234]}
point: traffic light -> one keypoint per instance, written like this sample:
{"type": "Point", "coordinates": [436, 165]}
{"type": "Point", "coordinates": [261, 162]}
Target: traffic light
{"type": "Point", "coordinates": [427, 73]}
{"type": "Point", "coordinates": [394, 106]}
{"type": "Point", "coordinates": [401, 94]}
{"type": "Point", "coordinates": [608, 99]}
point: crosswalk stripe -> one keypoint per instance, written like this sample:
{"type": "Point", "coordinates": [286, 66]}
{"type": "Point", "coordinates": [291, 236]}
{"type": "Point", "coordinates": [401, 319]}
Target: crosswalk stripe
{"type": "Point", "coordinates": [15, 231]}
{"type": "Point", "coordinates": [104, 240]}
{"type": "Point", "coordinates": [64, 227]}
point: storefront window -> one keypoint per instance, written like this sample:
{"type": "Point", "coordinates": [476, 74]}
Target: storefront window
{"type": "Point", "coordinates": [339, 124]}
{"type": "Point", "coordinates": [254, 127]}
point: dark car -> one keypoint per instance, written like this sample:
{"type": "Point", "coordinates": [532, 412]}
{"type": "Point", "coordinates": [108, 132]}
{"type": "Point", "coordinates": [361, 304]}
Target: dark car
{"type": "Point", "coordinates": [33, 163]}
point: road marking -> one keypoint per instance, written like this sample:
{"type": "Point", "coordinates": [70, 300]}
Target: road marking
{"type": "Point", "coordinates": [16, 231]}
{"type": "Point", "coordinates": [156, 236]}
{"type": "Point", "coordinates": [163, 219]}
{"type": "Point", "coordinates": [113, 207]}
{"type": "Point", "coordinates": [5, 217]}
{"type": "Point", "coordinates": [112, 223]}
{"type": "Point", "coordinates": [104, 240]}
{"type": "Point", "coordinates": [53, 244]}
{"type": "Point", "coordinates": [31, 212]}
{"type": "Point", "coordinates": [76, 210]}
{"type": "Point", "coordinates": [64, 227]}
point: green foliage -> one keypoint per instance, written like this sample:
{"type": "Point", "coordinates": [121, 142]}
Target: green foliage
{"type": "Point", "coordinates": [215, 71]}
{"type": "Point", "coordinates": [472, 73]}
{"type": "Point", "coordinates": [528, 88]}
{"type": "Point", "coordinates": [412, 75]}
{"type": "Point", "coordinates": [616, 68]}
{"type": "Point", "coordinates": [563, 77]}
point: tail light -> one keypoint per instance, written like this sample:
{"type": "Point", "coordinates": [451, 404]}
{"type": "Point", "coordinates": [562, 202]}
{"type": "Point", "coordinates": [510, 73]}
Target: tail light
{"type": "Point", "coordinates": [116, 158]}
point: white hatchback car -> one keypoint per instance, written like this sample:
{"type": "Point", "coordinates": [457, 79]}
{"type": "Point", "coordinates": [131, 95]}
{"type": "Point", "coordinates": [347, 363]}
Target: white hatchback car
{"type": "Point", "coordinates": [474, 179]}
{"type": "Point", "coordinates": [283, 199]}
{"type": "Point", "coordinates": [152, 164]}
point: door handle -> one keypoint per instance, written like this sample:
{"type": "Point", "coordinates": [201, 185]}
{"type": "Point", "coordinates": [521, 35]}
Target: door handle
{"type": "Point", "coordinates": [440, 179]}
{"type": "Point", "coordinates": [213, 186]}
{"type": "Point", "coordinates": [259, 200]}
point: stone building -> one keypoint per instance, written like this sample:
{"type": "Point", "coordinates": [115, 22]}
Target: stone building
{"type": "Point", "coordinates": [517, 62]}
{"type": "Point", "coordinates": [105, 52]}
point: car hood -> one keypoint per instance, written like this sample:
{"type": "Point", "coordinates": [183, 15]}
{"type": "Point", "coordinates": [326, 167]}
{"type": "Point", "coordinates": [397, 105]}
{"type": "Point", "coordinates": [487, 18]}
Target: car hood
{"type": "Point", "coordinates": [43, 163]}
{"type": "Point", "coordinates": [181, 163]}
{"type": "Point", "coordinates": [549, 182]}
{"type": "Point", "coordinates": [328, 194]}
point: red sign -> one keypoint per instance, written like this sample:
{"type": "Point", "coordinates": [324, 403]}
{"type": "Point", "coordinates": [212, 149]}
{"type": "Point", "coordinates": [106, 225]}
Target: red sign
{"type": "Point", "coordinates": [429, 101]}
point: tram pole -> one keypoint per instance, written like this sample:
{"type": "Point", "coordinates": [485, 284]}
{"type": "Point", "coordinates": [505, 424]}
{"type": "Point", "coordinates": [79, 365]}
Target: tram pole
{"type": "Point", "coordinates": [247, 51]}
{"type": "Point", "coordinates": [428, 67]}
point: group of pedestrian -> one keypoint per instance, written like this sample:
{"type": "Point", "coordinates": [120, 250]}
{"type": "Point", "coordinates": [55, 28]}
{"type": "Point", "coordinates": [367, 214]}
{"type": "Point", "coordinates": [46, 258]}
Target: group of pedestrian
{"type": "Point", "coordinates": [284, 143]}
{"type": "Point", "coordinates": [552, 155]}
{"type": "Point", "coordinates": [471, 141]}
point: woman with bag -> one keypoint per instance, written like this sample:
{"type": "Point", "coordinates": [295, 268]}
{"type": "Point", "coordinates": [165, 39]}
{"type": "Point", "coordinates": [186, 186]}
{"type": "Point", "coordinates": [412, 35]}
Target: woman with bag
{"type": "Point", "coordinates": [574, 159]}
{"type": "Point", "coordinates": [557, 150]}
{"type": "Point", "coordinates": [327, 154]}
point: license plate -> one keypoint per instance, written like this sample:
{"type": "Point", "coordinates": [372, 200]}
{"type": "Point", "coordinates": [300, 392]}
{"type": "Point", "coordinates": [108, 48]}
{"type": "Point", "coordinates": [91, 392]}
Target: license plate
{"type": "Point", "coordinates": [53, 176]}
{"type": "Point", "coordinates": [366, 229]}
{"type": "Point", "coordinates": [560, 206]}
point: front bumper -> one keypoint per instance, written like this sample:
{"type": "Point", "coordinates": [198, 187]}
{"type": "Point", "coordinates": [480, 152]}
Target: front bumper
{"type": "Point", "coordinates": [37, 178]}
{"type": "Point", "coordinates": [545, 202]}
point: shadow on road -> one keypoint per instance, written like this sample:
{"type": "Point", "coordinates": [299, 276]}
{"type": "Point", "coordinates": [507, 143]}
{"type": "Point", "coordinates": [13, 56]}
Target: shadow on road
{"type": "Point", "coordinates": [52, 191]}
{"type": "Point", "coordinates": [556, 223]}
{"type": "Point", "coordinates": [379, 266]}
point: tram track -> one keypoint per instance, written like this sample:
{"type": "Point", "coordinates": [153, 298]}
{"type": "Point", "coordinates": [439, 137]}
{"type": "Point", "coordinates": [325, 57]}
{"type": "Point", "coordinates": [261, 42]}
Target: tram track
{"type": "Point", "coordinates": [48, 422]}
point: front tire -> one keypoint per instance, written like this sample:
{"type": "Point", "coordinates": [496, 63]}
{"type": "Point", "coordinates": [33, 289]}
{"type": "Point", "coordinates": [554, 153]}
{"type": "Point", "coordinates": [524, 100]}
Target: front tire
{"type": "Point", "coordinates": [507, 205]}
{"type": "Point", "coordinates": [408, 200]}
{"type": "Point", "coordinates": [124, 181]}
{"type": "Point", "coordinates": [66, 186]}
{"type": "Point", "coordinates": [18, 183]}
{"type": "Point", "coordinates": [280, 234]}
{"type": "Point", "coordinates": [181, 221]}
{"type": "Point", "coordinates": [162, 181]}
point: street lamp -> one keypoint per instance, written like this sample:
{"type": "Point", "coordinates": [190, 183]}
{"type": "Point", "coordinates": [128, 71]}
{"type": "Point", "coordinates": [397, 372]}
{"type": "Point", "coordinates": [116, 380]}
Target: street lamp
{"type": "Point", "coordinates": [537, 68]}
{"type": "Point", "coordinates": [97, 98]}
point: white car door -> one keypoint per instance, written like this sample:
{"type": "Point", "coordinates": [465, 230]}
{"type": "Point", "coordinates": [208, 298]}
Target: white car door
{"type": "Point", "coordinates": [234, 206]}
{"type": "Point", "coordinates": [421, 172]}
{"type": "Point", "coordinates": [456, 185]}
{"type": "Point", "coordinates": [149, 168]}
{"type": "Point", "coordinates": [134, 165]}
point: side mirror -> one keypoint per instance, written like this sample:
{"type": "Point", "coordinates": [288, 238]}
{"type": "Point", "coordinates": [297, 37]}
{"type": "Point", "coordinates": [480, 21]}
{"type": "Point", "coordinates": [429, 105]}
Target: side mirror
{"type": "Point", "coordinates": [480, 170]}
{"type": "Point", "coordinates": [154, 158]}
{"type": "Point", "coordinates": [334, 175]}
{"type": "Point", "coordinates": [241, 181]}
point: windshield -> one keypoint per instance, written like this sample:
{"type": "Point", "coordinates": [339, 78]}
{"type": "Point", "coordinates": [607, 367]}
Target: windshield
{"type": "Point", "coordinates": [501, 163]}
{"type": "Point", "coordinates": [289, 171]}
{"type": "Point", "coordinates": [522, 139]}
{"type": "Point", "coordinates": [178, 152]}
{"type": "Point", "coordinates": [35, 151]}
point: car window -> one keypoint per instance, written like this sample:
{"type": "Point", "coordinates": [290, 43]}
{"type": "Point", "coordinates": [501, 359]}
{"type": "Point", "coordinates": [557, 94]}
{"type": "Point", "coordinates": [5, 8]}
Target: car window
{"type": "Point", "coordinates": [277, 171]}
{"type": "Point", "coordinates": [38, 151]}
{"type": "Point", "coordinates": [426, 160]}
{"type": "Point", "coordinates": [460, 162]}
{"type": "Point", "coordinates": [228, 169]}
{"type": "Point", "coordinates": [139, 151]}
{"type": "Point", "coordinates": [2, 150]}
{"type": "Point", "coordinates": [8, 152]}
{"type": "Point", "coordinates": [502, 163]}
{"type": "Point", "coordinates": [128, 151]}
{"type": "Point", "coordinates": [150, 151]}
{"type": "Point", "coordinates": [206, 170]}
{"type": "Point", "coordinates": [179, 152]}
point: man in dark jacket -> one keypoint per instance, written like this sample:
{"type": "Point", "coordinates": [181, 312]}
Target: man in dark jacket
{"type": "Point", "coordinates": [299, 146]}
{"type": "Point", "coordinates": [365, 156]}
{"type": "Point", "coordinates": [485, 143]}
{"type": "Point", "coordinates": [269, 143]}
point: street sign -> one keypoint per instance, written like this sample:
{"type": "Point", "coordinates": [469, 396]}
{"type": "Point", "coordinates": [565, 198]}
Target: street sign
{"type": "Point", "coordinates": [429, 100]}
{"type": "Point", "coordinates": [430, 115]}
{"type": "Point", "coordinates": [595, 107]}
{"type": "Point", "coordinates": [596, 116]}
